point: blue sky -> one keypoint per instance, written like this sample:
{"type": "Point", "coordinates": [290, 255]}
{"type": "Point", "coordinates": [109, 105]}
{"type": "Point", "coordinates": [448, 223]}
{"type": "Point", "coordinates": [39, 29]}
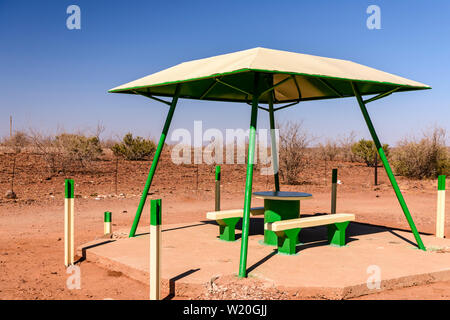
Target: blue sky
{"type": "Point", "coordinates": [52, 77]}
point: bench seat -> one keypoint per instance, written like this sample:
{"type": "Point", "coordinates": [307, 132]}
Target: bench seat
{"type": "Point", "coordinates": [227, 220]}
{"type": "Point", "coordinates": [287, 230]}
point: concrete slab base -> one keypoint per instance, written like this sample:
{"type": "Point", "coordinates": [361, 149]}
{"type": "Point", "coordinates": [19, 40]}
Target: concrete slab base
{"type": "Point", "coordinates": [192, 255]}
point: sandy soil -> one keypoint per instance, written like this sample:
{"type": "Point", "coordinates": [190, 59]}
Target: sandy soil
{"type": "Point", "coordinates": [31, 227]}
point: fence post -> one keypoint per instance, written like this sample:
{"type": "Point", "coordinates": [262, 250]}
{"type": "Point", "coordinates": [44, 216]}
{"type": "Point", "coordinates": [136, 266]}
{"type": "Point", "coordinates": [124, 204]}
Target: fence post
{"type": "Point", "coordinates": [107, 221]}
{"type": "Point", "coordinates": [333, 190]}
{"type": "Point", "coordinates": [217, 192]}
{"type": "Point", "coordinates": [68, 223]}
{"type": "Point", "coordinates": [155, 248]}
{"type": "Point", "coordinates": [440, 219]}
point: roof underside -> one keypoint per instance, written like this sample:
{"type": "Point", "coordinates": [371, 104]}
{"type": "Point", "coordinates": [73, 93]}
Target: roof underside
{"type": "Point", "coordinates": [296, 77]}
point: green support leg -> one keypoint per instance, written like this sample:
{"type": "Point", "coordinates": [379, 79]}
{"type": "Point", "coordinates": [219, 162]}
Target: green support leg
{"type": "Point", "coordinates": [249, 181]}
{"type": "Point", "coordinates": [387, 167]}
{"type": "Point", "coordinates": [148, 183]}
{"type": "Point", "coordinates": [287, 241]}
{"type": "Point", "coordinates": [227, 229]}
{"type": "Point", "coordinates": [336, 233]}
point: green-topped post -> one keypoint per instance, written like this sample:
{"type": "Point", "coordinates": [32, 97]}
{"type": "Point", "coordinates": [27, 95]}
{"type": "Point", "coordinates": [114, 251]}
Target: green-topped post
{"type": "Point", "coordinates": [155, 248]}
{"type": "Point", "coordinates": [333, 190]}
{"type": "Point", "coordinates": [107, 222]}
{"type": "Point", "coordinates": [69, 253]}
{"type": "Point", "coordinates": [217, 190]}
{"type": "Point", "coordinates": [387, 167]}
{"type": "Point", "coordinates": [249, 180]}
{"type": "Point", "coordinates": [440, 217]}
{"type": "Point", "coordinates": [161, 142]}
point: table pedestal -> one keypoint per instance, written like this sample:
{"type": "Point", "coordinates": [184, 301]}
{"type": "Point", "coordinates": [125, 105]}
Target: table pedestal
{"type": "Point", "coordinates": [276, 210]}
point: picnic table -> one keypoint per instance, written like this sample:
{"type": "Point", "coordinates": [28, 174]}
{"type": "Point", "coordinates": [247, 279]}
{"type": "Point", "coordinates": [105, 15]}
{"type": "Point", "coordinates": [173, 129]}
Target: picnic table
{"type": "Point", "coordinates": [280, 205]}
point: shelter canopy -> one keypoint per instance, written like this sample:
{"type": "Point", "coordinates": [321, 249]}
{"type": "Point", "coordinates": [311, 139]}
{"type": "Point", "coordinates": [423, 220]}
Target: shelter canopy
{"type": "Point", "coordinates": [229, 77]}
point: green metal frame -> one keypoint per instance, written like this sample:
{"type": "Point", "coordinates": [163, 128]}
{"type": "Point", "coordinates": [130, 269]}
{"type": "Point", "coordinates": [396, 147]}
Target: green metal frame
{"type": "Point", "coordinates": [249, 180]}
{"type": "Point", "coordinates": [155, 161]}
{"type": "Point", "coordinates": [387, 167]}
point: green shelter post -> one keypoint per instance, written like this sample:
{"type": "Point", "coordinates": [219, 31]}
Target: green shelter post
{"type": "Point", "coordinates": [274, 143]}
{"type": "Point", "coordinates": [217, 190]}
{"type": "Point", "coordinates": [334, 173]}
{"type": "Point", "coordinates": [387, 167]}
{"type": "Point", "coordinates": [161, 142]}
{"type": "Point", "coordinates": [249, 180]}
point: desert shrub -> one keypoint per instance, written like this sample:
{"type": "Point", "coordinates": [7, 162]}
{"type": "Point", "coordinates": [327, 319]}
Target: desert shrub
{"type": "Point", "coordinates": [134, 148]}
{"type": "Point", "coordinates": [65, 150]}
{"type": "Point", "coordinates": [294, 140]}
{"type": "Point", "coordinates": [78, 148]}
{"type": "Point", "coordinates": [365, 150]}
{"type": "Point", "coordinates": [328, 151]}
{"type": "Point", "coordinates": [426, 158]}
{"type": "Point", "coordinates": [345, 145]}
{"type": "Point", "coordinates": [17, 142]}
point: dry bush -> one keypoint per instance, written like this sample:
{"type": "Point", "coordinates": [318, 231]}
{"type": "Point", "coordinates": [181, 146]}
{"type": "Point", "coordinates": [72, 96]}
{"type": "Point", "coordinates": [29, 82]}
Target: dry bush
{"type": "Point", "coordinates": [294, 141]}
{"type": "Point", "coordinates": [345, 145]}
{"type": "Point", "coordinates": [65, 150]}
{"type": "Point", "coordinates": [17, 142]}
{"type": "Point", "coordinates": [328, 151]}
{"type": "Point", "coordinates": [426, 158]}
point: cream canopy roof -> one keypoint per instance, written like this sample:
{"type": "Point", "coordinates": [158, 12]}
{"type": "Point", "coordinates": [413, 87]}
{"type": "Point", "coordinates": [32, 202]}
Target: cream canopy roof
{"type": "Point", "coordinates": [229, 77]}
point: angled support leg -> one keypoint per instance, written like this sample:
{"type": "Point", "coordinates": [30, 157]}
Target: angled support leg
{"type": "Point", "coordinates": [287, 241]}
{"type": "Point", "coordinates": [227, 228]}
{"type": "Point", "coordinates": [162, 140]}
{"type": "Point", "coordinates": [387, 167]}
{"type": "Point", "coordinates": [249, 180]}
{"type": "Point", "coordinates": [336, 233]}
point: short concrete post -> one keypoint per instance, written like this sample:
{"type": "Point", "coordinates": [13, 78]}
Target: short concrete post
{"type": "Point", "coordinates": [333, 190]}
{"type": "Point", "coordinates": [217, 190]}
{"type": "Point", "coordinates": [107, 222]}
{"type": "Point", "coordinates": [440, 218]}
{"type": "Point", "coordinates": [68, 223]}
{"type": "Point", "coordinates": [155, 249]}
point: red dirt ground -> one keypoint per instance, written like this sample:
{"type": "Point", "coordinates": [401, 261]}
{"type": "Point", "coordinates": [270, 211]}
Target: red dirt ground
{"type": "Point", "coordinates": [31, 227]}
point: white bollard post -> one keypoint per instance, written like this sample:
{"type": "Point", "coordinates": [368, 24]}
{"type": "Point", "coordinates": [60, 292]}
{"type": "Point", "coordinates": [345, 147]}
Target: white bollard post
{"type": "Point", "coordinates": [107, 222]}
{"type": "Point", "coordinates": [68, 223]}
{"type": "Point", "coordinates": [155, 249]}
{"type": "Point", "coordinates": [440, 217]}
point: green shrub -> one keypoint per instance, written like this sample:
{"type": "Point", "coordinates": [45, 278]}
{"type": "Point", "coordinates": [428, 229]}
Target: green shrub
{"type": "Point", "coordinates": [365, 150]}
{"type": "Point", "coordinates": [426, 158]}
{"type": "Point", "coordinates": [134, 148]}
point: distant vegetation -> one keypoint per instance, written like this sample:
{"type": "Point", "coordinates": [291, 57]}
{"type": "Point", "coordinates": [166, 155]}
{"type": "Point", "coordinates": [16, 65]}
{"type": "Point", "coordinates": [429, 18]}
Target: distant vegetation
{"type": "Point", "coordinates": [366, 151]}
{"type": "Point", "coordinates": [134, 148]}
{"type": "Point", "coordinates": [426, 157]}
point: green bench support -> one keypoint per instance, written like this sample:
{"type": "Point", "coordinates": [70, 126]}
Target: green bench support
{"type": "Point", "coordinates": [287, 230]}
{"type": "Point", "coordinates": [227, 220]}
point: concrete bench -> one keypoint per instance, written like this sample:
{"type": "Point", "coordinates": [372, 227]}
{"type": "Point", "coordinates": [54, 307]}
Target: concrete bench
{"type": "Point", "coordinates": [227, 220]}
{"type": "Point", "coordinates": [287, 230]}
